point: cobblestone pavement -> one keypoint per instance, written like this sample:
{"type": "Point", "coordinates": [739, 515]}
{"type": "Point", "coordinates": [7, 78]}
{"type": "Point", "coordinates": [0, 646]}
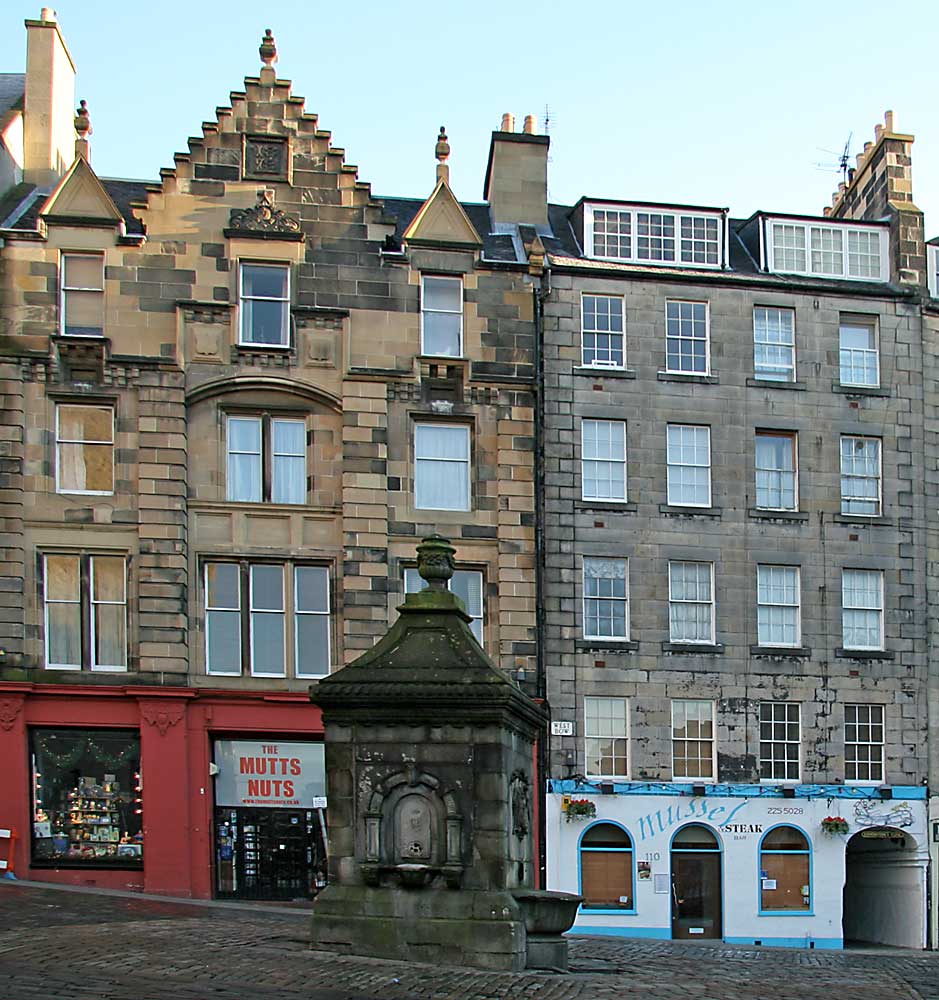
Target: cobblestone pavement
{"type": "Point", "coordinates": [75, 945]}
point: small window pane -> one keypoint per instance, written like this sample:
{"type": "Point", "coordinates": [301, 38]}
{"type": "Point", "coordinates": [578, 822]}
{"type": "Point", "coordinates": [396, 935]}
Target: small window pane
{"type": "Point", "coordinates": [442, 334]}
{"type": "Point", "coordinates": [108, 578]}
{"type": "Point", "coordinates": [223, 640]}
{"type": "Point", "coordinates": [312, 584]}
{"type": "Point", "coordinates": [258, 281]}
{"type": "Point", "coordinates": [267, 643]}
{"type": "Point", "coordinates": [267, 588]}
{"type": "Point", "coordinates": [83, 271]}
{"type": "Point", "coordinates": [222, 581]}
{"type": "Point", "coordinates": [63, 635]}
{"type": "Point", "coordinates": [444, 294]}
{"type": "Point", "coordinates": [62, 578]}
{"type": "Point", "coordinates": [312, 645]}
{"type": "Point", "coordinates": [264, 322]}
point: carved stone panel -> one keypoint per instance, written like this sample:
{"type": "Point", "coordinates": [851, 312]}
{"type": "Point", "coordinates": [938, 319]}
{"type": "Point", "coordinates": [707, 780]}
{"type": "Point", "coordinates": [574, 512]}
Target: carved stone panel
{"type": "Point", "coordinates": [413, 829]}
{"type": "Point", "coordinates": [265, 158]}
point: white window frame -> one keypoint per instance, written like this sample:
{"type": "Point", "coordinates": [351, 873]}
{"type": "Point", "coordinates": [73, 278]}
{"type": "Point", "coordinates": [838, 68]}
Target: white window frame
{"type": "Point", "coordinates": [629, 215]}
{"type": "Point", "coordinates": [59, 440]}
{"type": "Point", "coordinates": [766, 314]}
{"type": "Point", "coordinates": [414, 583]}
{"type": "Point", "coordinates": [859, 322]}
{"type": "Point", "coordinates": [856, 708]}
{"type": "Point", "coordinates": [611, 462]}
{"type": "Point", "coordinates": [298, 614]}
{"type": "Point", "coordinates": [695, 779]}
{"type": "Point", "coordinates": [681, 336]}
{"type": "Point", "coordinates": [788, 709]}
{"type": "Point", "coordinates": [676, 602]}
{"type": "Point", "coordinates": [767, 604]}
{"type": "Point", "coordinates": [621, 333]}
{"type": "Point", "coordinates": [464, 504]}
{"type": "Point", "coordinates": [670, 465]}
{"type": "Point", "coordinates": [243, 332]}
{"type": "Point", "coordinates": [446, 312]}
{"type": "Point", "coordinates": [793, 438]}
{"type": "Point", "coordinates": [290, 613]}
{"type": "Point", "coordinates": [64, 289]}
{"type": "Point", "coordinates": [252, 611]}
{"type": "Point", "coordinates": [608, 598]}
{"type": "Point", "coordinates": [848, 498]}
{"type": "Point", "coordinates": [87, 605]}
{"type": "Point", "coordinates": [875, 609]}
{"type": "Point", "coordinates": [596, 737]}
{"type": "Point", "coordinates": [809, 229]}
{"type": "Point", "coordinates": [932, 269]}
{"type": "Point", "coordinates": [266, 457]}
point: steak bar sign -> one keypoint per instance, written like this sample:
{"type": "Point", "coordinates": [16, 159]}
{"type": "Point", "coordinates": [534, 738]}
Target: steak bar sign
{"type": "Point", "coordinates": [266, 775]}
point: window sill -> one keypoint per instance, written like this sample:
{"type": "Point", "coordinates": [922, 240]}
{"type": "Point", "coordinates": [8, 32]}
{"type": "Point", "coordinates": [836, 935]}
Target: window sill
{"type": "Point", "coordinates": [860, 520]}
{"type": "Point", "coordinates": [687, 377]}
{"type": "Point", "coordinates": [864, 654]}
{"type": "Point", "coordinates": [609, 645]}
{"type": "Point", "coordinates": [782, 652]}
{"type": "Point", "coordinates": [589, 371]}
{"type": "Point", "coordinates": [606, 506]}
{"type": "Point", "coordinates": [772, 383]}
{"type": "Point", "coordinates": [759, 514]}
{"type": "Point", "coordinates": [676, 510]}
{"type": "Point", "coordinates": [786, 913]}
{"type": "Point", "coordinates": [861, 390]}
{"type": "Point", "coordinates": [694, 648]}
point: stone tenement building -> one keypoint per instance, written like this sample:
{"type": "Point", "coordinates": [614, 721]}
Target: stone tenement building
{"type": "Point", "coordinates": [233, 402]}
{"type": "Point", "coordinates": [235, 399]}
{"type": "Point", "coordinates": [737, 560]}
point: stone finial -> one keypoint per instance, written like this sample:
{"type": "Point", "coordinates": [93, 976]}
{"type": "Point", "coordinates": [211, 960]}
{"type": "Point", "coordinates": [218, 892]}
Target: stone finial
{"type": "Point", "coordinates": [268, 49]}
{"type": "Point", "coordinates": [442, 152]}
{"type": "Point", "coordinates": [82, 120]}
{"type": "Point", "coordinates": [508, 123]}
{"type": "Point", "coordinates": [82, 130]}
{"type": "Point", "coordinates": [435, 561]}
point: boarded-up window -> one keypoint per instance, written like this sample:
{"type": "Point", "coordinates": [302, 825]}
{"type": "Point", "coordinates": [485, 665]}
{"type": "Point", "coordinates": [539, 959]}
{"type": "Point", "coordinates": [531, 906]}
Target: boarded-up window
{"type": "Point", "coordinates": [606, 868]}
{"type": "Point", "coordinates": [784, 870]}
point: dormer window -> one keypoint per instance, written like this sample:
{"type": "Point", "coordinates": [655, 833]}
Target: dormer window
{"type": "Point", "coordinates": [81, 304]}
{"type": "Point", "coordinates": [643, 234]}
{"type": "Point", "coordinates": [826, 250]}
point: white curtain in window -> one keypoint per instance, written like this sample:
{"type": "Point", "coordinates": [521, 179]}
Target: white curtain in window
{"type": "Point", "coordinates": [244, 459]}
{"type": "Point", "coordinates": [442, 467]}
{"type": "Point", "coordinates": [289, 454]}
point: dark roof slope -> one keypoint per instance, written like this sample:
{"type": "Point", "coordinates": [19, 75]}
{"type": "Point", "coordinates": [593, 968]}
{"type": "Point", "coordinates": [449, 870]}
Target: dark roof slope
{"type": "Point", "coordinates": [122, 192]}
{"type": "Point", "coordinates": [12, 91]}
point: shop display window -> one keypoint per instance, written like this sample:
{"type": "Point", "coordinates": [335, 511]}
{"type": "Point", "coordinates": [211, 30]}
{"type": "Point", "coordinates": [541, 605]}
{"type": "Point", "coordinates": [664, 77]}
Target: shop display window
{"type": "Point", "coordinates": [87, 798]}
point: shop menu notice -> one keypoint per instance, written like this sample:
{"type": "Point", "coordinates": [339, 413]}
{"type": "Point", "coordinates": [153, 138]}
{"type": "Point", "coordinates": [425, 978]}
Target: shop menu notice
{"type": "Point", "coordinates": [269, 774]}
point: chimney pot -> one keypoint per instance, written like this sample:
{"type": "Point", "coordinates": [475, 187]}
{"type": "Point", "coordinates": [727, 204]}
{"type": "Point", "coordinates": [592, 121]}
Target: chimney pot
{"type": "Point", "coordinates": [529, 125]}
{"type": "Point", "coordinates": [888, 121]}
{"type": "Point", "coordinates": [47, 14]}
{"type": "Point", "coordinates": [508, 122]}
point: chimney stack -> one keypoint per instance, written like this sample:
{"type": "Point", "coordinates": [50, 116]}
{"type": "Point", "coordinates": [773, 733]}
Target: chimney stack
{"type": "Point", "coordinates": [881, 186]}
{"type": "Point", "coordinates": [48, 116]}
{"type": "Point", "coordinates": [516, 185]}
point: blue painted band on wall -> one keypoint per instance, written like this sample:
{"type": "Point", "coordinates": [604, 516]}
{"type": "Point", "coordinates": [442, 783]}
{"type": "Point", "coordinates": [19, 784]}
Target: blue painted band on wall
{"type": "Point", "coordinates": [823, 944]}
{"type": "Point", "coordinates": [570, 787]}
{"type": "Point", "coordinates": [660, 933]}
{"type": "Point", "coordinates": [665, 934]}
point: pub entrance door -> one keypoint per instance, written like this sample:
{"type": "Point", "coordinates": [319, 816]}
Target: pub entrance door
{"type": "Point", "coordinates": [696, 884]}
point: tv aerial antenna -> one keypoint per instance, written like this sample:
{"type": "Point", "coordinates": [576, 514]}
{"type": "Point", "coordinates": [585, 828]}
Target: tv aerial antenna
{"type": "Point", "coordinates": [843, 159]}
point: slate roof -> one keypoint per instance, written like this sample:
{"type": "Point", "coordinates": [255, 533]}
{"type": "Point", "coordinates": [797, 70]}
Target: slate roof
{"type": "Point", "coordinates": [12, 91]}
{"type": "Point", "coordinates": [122, 192]}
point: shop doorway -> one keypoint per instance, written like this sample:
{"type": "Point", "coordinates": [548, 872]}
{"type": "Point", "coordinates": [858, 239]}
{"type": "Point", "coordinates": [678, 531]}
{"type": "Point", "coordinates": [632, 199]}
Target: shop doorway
{"type": "Point", "coordinates": [696, 884]}
{"type": "Point", "coordinates": [884, 899]}
{"type": "Point", "coordinates": [268, 853]}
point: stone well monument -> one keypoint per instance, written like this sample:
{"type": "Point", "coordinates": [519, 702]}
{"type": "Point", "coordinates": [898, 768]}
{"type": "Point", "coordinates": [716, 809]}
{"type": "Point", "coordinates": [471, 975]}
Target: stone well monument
{"type": "Point", "coordinates": [429, 770]}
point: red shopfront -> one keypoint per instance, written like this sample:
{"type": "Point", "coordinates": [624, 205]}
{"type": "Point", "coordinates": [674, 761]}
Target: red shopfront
{"type": "Point", "coordinates": [112, 787]}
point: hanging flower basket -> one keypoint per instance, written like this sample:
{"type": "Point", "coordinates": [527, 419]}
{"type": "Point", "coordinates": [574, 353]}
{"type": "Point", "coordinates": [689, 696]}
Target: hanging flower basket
{"type": "Point", "coordinates": [834, 824]}
{"type": "Point", "coordinates": [581, 809]}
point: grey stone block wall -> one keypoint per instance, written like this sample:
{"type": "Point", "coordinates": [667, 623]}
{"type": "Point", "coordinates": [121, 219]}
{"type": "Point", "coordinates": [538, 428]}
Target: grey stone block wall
{"type": "Point", "coordinates": [731, 535]}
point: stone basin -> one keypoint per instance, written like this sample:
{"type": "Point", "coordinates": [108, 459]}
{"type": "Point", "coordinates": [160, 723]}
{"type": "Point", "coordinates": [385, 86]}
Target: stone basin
{"type": "Point", "coordinates": [545, 911]}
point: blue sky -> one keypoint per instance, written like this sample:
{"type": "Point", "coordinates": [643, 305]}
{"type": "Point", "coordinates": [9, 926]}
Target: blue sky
{"type": "Point", "coordinates": [690, 101]}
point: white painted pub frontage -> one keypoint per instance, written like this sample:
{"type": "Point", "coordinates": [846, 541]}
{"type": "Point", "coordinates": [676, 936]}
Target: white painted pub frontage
{"type": "Point", "coordinates": [812, 867]}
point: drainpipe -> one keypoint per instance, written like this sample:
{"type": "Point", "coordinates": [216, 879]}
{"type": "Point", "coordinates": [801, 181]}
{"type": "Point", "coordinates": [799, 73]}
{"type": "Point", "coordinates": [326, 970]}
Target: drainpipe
{"type": "Point", "coordinates": [541, 285]}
